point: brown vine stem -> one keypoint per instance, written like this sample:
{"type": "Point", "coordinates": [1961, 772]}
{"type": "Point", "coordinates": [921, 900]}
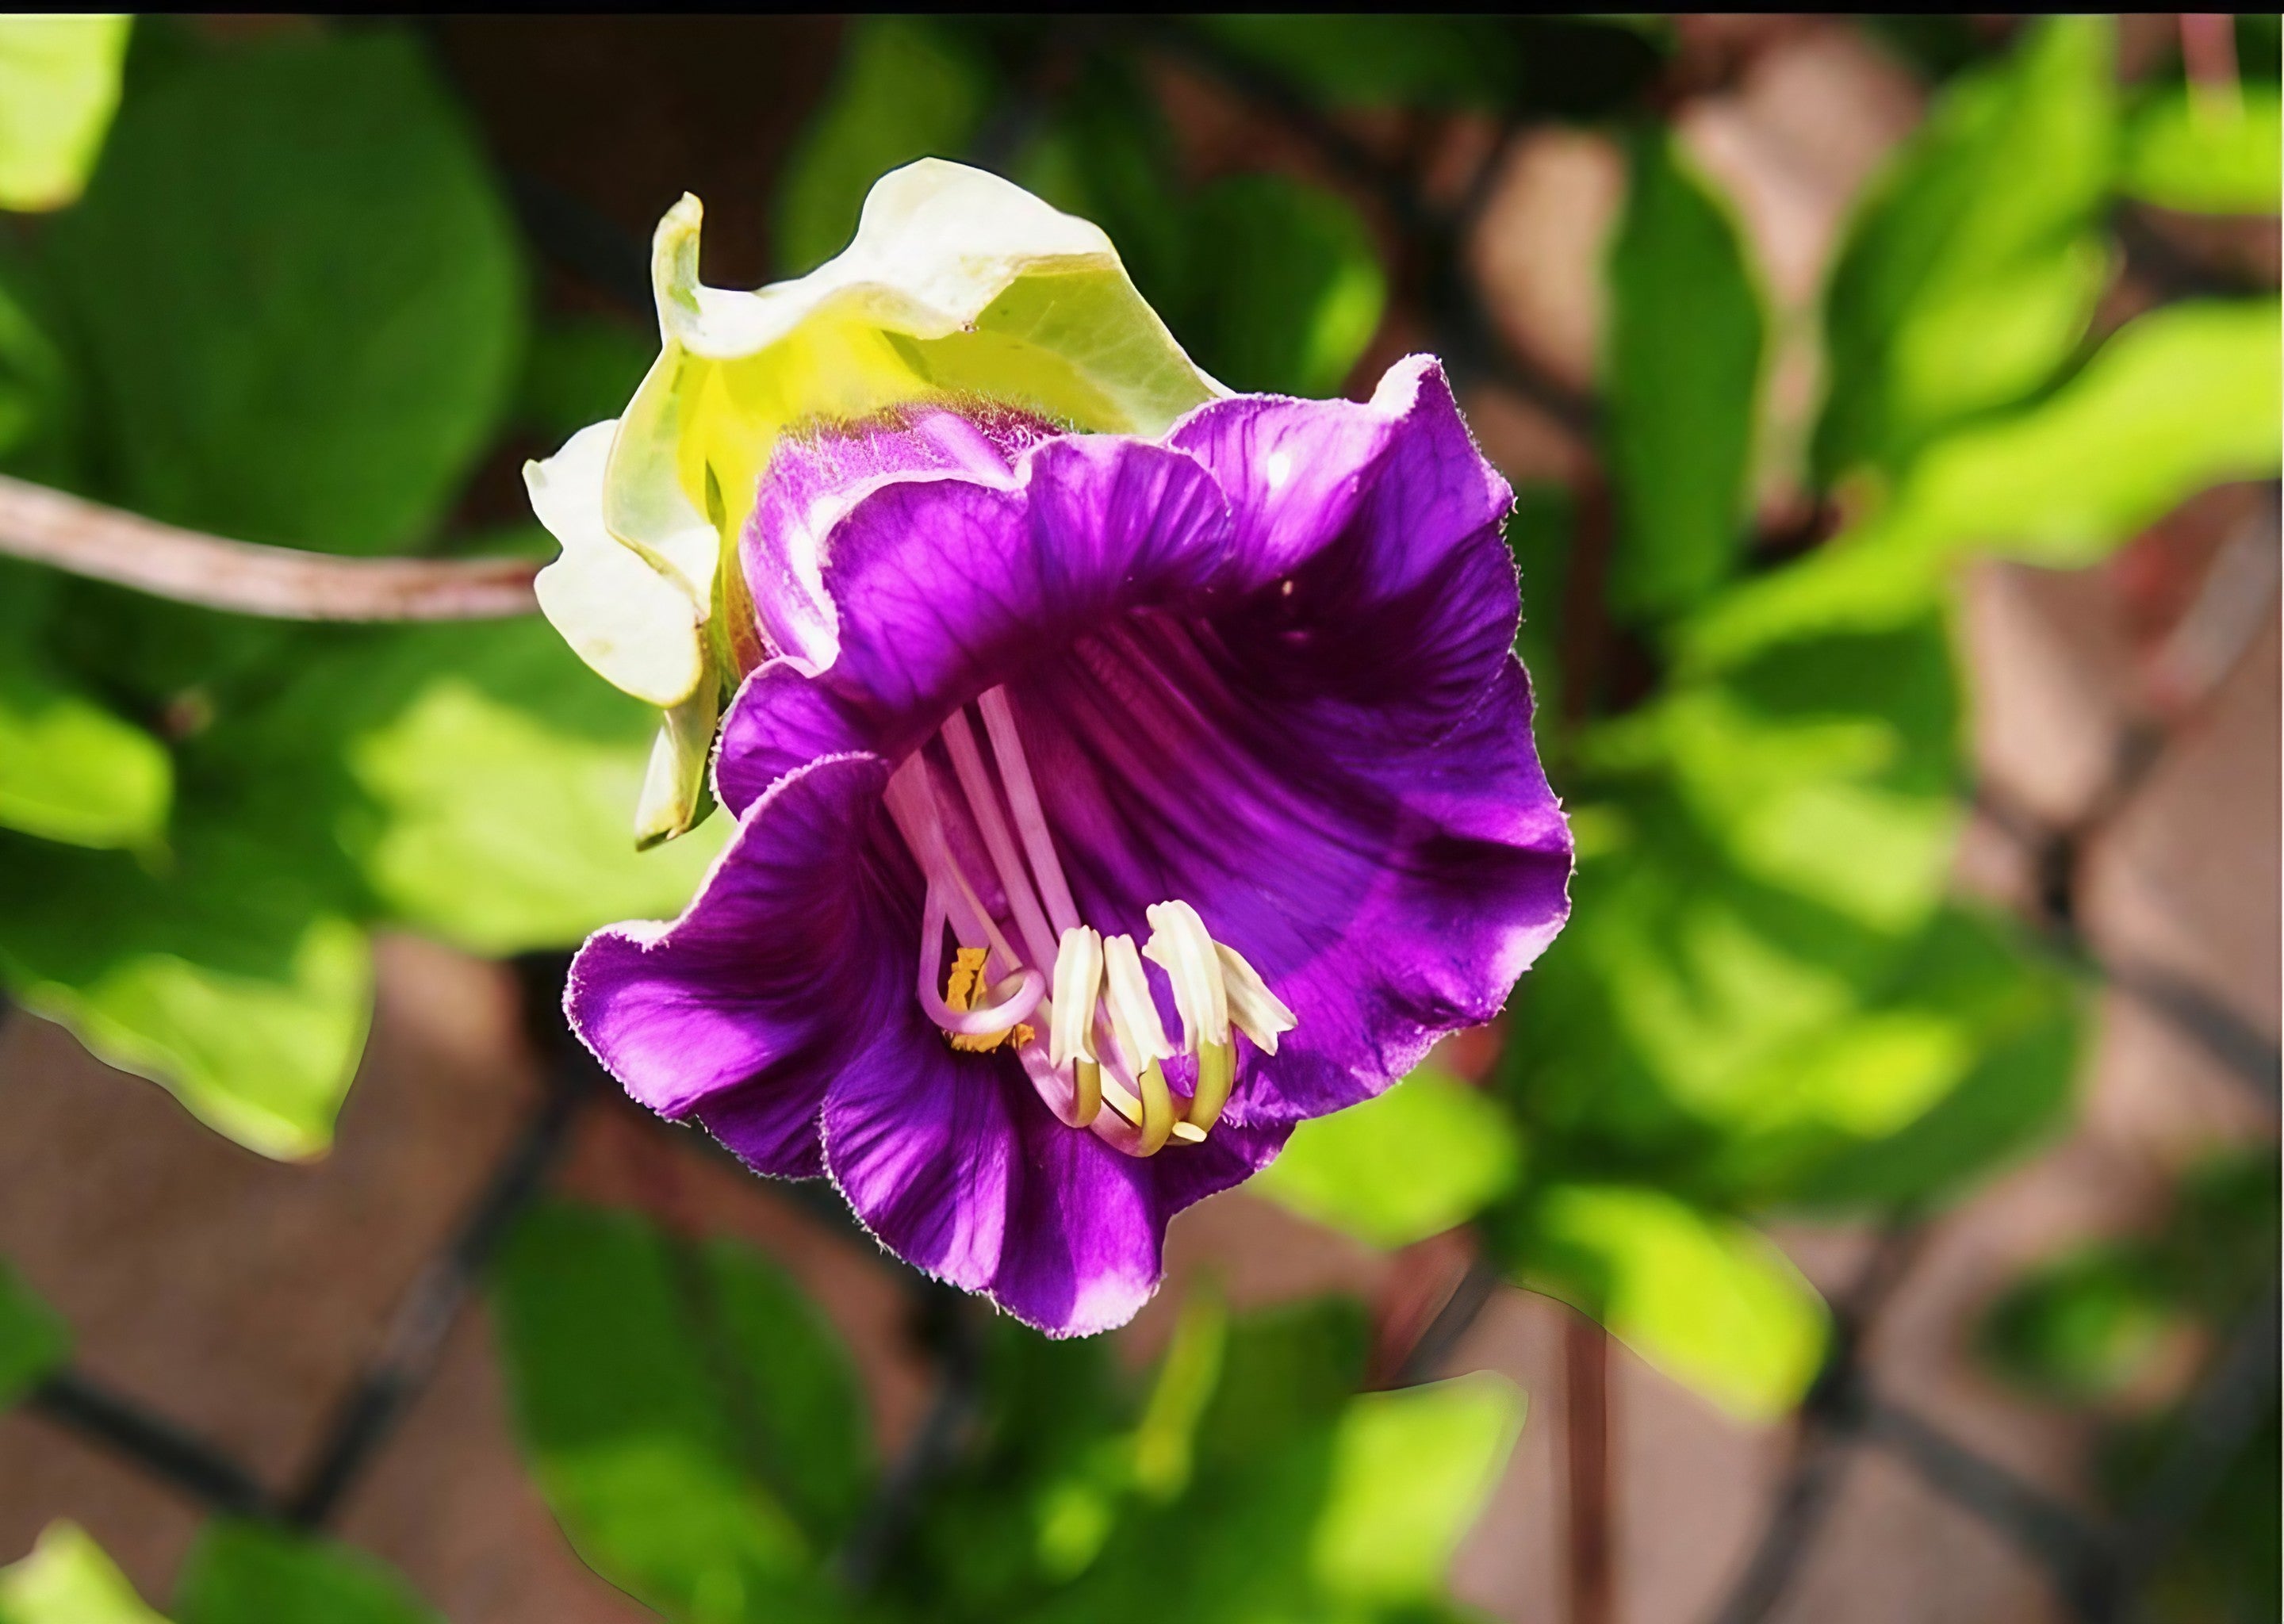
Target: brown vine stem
{"type": "Point", "coordinates": [86, 538]}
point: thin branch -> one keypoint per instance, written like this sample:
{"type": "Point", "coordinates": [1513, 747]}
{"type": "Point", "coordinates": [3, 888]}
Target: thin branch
{"type": "Point", "coordinates": [1437, 1340]}
{"type": "Point", "coordinates": [2247, 1053]}
{"type": "Point", "coordinates": [2056, 853]}
{"type": "Point", "coordinates": [104, 543]}
{"type": "Point", "coordinates": [951, 1328]}
{"type": "Point", "coordinates": [152, 1441]}
{"type": "Point", "coordinates": [2066, 1542]}
{"type": "Point", "coordinates": [369, 1412]}
{"type": "Point", "coordinates": [1831, 1418]}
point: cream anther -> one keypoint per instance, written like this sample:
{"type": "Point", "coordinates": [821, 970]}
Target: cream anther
{"type": "Point", "coordinates": [1180, 947]}
{"type": "Point", "coordinates": [1253, 1009]}
{"type": "Point", "coordinates": [1078, 983]}
{"type": "Point", "coordinates": [1133, 1012]}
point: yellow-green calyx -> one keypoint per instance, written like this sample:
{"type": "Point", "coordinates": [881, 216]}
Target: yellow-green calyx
{"type": "Point", "coordinates": [956, 284]}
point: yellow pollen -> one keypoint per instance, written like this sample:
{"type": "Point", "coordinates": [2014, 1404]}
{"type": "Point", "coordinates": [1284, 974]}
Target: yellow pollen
{"type": "Point", "coordinates": [960, 990]}
{"type": "Point", "coordinates": [967, 971]}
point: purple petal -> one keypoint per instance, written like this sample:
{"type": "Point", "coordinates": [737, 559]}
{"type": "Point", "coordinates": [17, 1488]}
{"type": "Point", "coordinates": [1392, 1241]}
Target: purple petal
{"type": "Point", "coordinates": [945, 586]}
{"type": "Point", "coordinates": [780, 721]}
{"type": "Point", "coordinates": [818, 475]}
{"type": "Point", "coordinates": [1390, 892]}
{"type": "Point", "coordinates": [953, 1163]}
{"type": "Point", "coordinates": [745, 1008]}
{"type": "Point", "coordinates": [1264, 668]}
{"type": "Point", "coordinates": [921, 1141]}
{"type": "Point", "coordinates": [1382, 522]}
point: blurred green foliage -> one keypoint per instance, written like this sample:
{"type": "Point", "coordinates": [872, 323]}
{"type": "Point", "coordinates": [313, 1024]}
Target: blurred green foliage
{"type": "Point", "coordinates": [692, 1418]}
{"type": "Point", "coordinates": [1424, 1157]}
{"type": "Point", "coordinates": [697, 1427]}
{"type": "Point", "coordinates": [339, 336]}
{"type": "Point", "coordinates": [58, 86]}
{"type": "Point", "coordinates": [2181, 152]}
{"type": "Point", "coordinates": [240, 1571]}
{"type": "Point", "coordinates": [1681, 380]}
{"type": "Point", "coordinates": [1545, 66]}
{"type": "Point", "coordinates": [34, 1339]}
{"type": "Point", "coordinates": [2086, 1326]}
{"type": "Point", "coordinates": [341, 313]}
{"type": "Point", "coordinates": [1767, 1001]}
{"type": "Point", "coordinates": [68, 1580]}
{"type": "Point", "coordinates": [1969, 272]}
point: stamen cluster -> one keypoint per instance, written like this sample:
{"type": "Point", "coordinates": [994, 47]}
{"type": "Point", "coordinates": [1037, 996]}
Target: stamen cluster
{"type": "Point", "coordinates": [1105, 1044]}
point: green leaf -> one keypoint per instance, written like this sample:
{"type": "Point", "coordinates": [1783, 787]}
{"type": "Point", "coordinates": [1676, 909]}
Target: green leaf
{"type": "Point", "coordinates": [37, 399]}
{"type": "Point", "coordinates": [2185, 397]}
{"type": "Point", "coordinates": [2082, 1329]}
{"type": "Point", "coordinates": [1429, 1154]}
{"type": "Point", "coordinates": [905, 89]}
{"type": "Point", "coordinates": [690, 1419]}
{"type": "Point", "coordinates": [58, 86]}
{"type": "Point", "coordinates": [1761, 995]}
{"type": "Point", "coordinates": [1287, 287]}
{"type": "Point", "coordinates": [337, 328]}
{"type": "Point", "coordinates": [225, 975]}
{"type": "Point", "coordinates": [2202, 154]}
{"type": "Point", "coordinates": [496, 789]}
{"type": "Point", "coordinates": [1109, 156]}
{"type": "Point", "coordinates": [1410, 1471]}
{"type": "Point", "coordinates": [1301, 1500]}
{"type": "Point", "coordinates": [242, 1573]}
{"type": "Point", "coordinates": [1682, 379]}
{"type": "Point", "coordinates": [34, 1340]}
{"type": "Point", "coordinates": [1968, 275]}
{"type": "Point", "coordinates": [2000, 1033]}
{"type": "Point", "coordinates": [1705, 1298]}
{"type": "Point", "coordinates": [70, 770]}
{"type": "Point", "coordinates": [2177, 400]}
{"type": "Point", "coordinates": [1824, 767]}
{"type": "Point", "coordinates": [477, 777]}
{"type": "Point", "coordinates": [581, 371]}
{"type": "Point", "coordinates": [68, 1580]}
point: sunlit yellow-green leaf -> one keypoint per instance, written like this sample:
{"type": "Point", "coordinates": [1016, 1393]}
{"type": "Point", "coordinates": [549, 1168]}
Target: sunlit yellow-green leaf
{"type": "Point", "coordinates": [1410, 1471]}
{"type": "Point", "coordinates": [2182, 398]}
{"type": "Point", "coordinates": [58, 86]}
{"type": "Point", "coordinates": [1704, 1297]}
{"type": "Point", "coordinates": [1972, 267]}
{"type": "Point", "coordinates": [1429, 1153]}
{"type": "Point", "coordinates": [72, 771]}
{"type": "Point", "coordinates": [227, 975]}
{"type": "Point", "coordinates": [501, 783]}
{"type": "Point", "coordinates": [265, 1057]}
{"type": "Point", "coordinates": [68, 1579]}
{"type": "Point", "coordinates": [2206, 152]}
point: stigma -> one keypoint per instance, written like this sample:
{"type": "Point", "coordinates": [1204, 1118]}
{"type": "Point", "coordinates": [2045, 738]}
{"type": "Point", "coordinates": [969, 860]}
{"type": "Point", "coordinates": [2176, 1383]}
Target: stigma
{"type": "Point", "coordinates": [1073, 1005]}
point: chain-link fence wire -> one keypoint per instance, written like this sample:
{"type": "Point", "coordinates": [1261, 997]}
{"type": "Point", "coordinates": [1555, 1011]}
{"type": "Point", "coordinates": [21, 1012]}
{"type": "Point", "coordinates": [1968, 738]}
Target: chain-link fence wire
{"type": "Point", "coordinates": [2097, 1568]}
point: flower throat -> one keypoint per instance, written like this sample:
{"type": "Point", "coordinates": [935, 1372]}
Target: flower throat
{"type": "Point", "coordinates": [1044, 969]}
